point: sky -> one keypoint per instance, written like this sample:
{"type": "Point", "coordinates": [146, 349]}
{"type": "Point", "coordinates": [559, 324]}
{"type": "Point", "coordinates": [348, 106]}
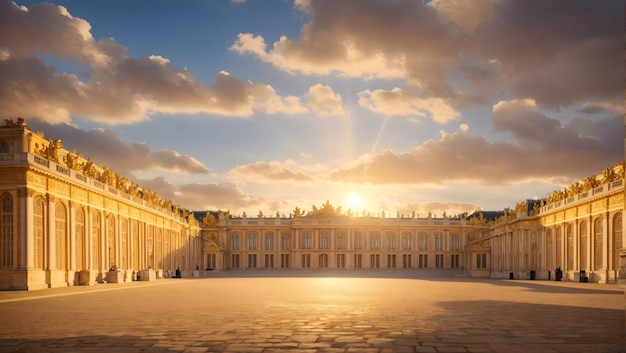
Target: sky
{"type": "Point", "coordinates": [394, 106]}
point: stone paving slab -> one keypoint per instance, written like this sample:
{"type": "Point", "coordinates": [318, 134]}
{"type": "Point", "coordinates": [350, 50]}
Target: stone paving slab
{"type": "Point", "coordinates": [315, 312]}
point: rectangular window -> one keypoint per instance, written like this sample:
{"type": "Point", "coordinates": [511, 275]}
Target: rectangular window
{"type": "Point", "coordinates": [269, 261]}
{"type": "Point", "coordinates": [375, 261]}
{"type": "Point", "coordinates": [323, 261]}
{"type": "Point", "coordinates": [306, 260]}
{"type": "Point", "coordinates": [439, 261]}
{"type": "Point", "coordinates": [211, 261]}
{"type": "Point", "coordinates": [406, 261]}
{"type": "Point", "coordinates": [251, 260]}
{"type": "Point", "coordinates": [423, 261]}
{"type": "Point", "coordinates": [391, 261]}
{"type": "Point", "coordinates": [454, 261]}
{"type": "Point", "coordinates": [481, 260]}
{"type": "Point", "coordinates": [235, 261]}
{"type": "Point", "coordinates": [284, 260]}
{"type": "Point", "coordinates": [341, 261]}
{"type": "Point", "coordinates": [358, 261]}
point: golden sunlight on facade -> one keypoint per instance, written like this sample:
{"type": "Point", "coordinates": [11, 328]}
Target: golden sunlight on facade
{"type": "Point", "coordinates": [68, 221]}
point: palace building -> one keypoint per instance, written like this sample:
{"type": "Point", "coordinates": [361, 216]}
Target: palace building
{"type": "Point", "coordinates": [66, 220]}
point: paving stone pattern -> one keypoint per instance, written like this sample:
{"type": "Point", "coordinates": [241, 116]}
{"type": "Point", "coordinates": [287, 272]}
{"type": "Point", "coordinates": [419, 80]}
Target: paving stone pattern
{"type": "Point", "coordinates": [315, 312]}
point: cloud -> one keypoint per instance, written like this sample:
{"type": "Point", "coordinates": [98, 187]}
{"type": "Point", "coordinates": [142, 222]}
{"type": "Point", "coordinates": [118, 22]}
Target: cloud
{"type": "Point", "coordinates": [465, 14]}
{"type": "Point", "coordinates": [554, 55]}
{"type": "Point", "coordinates": [363, 39]}
{"type": "Point", "coordinates": [116, 88]}
{"type": "Point", "coordinates": [213, 196]}
{"type": "Point", "coordinates": [543, 148]}
{"type": "Point", "coordinates": [104, 147]}
{"type": "Point", "coordinates": [267, 100]}
{"type": "Point", "coordinates": [268, 172]}
{"type": "Point", "coordinates": [46, 27]}
{"type": "Point", "coordinates": [494, 48]}
{"type": "Point", "coordinates": [398, 102]}
{"type": "Point", "coordinates": [324, 102]}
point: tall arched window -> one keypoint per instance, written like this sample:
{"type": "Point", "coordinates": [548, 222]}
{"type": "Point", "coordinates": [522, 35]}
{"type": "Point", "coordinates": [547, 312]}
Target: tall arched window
{"type": "Point", "coordinates": [558, 261]}
{"type": "Point", "coordinates": [111, 260]}
{"type": "Point", "coordinates": [4, 147]}
{"type": "Point", "coordinates": [358, 241]}
{"type": "Point", "coordinates": [38, 223]}
{"type": "Point", "coordinates": [307, 240]}
{"type": "Point", "coordinates": [391, 241]}
{"type": "Point", "coordinates": [134, 233]}
{"type": "Point", "coordinates": [324, 242]}
{"type": "Point", "coordinates": [6, 230]}
{"type": "Point", "coordinates": [252, 239]}
{"type": "Point", "coordinates": [159, 248]}
{"type": "Point", "coordinates": [438, 241]}
{"type": "Point", "coordinates": [422, 240]}
{"type": "Point", "coordinates": [549, 249]}
{"type": "Point", "coordinates": [80, 239]}
{"type": "Point", "coordinates": [341, 241]}
{"type": "Point", "coordinates": [269, 241]}
{"type": "Point", "coordinates": [124, 243]}
{"type": "Point", "coordinates": [235, 242]}
{"type": "Point", "coordinates": [598, 243]}
{"type": "Point", "coordinates": [95, 240]}
{"type": "Point", "coordinates": [570, 246]}
{"type": "Point", "coordinates": [583, 245]}
{"type": "Point", "coordinates": [617, 239]}
{"type": "Point", "coordinates": [284, 241]}
{"type": "Point", "coordinates": [407, 241]}
{"type": "Point", "coordinates": [455, 242]}
{"type": "Point", "coordinates": [374, 241]}
{"type": "Point", "coordinates": [60, 235]}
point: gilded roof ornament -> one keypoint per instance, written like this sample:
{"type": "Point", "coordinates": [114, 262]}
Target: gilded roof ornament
{"type": "Point", "coordinates": [51, 151]}
{"type": "Point", "coordinates": [209, 220]}
{"type": "Point", "coordinates": [9, 123]}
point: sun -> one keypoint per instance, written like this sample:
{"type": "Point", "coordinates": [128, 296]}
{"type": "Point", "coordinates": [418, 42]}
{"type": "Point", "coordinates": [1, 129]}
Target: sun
{"type": "Point", "coordinates": [354, 201]}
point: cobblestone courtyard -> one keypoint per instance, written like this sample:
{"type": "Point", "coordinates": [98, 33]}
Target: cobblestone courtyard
{"type": "Point", "coordinates": [316, 312]}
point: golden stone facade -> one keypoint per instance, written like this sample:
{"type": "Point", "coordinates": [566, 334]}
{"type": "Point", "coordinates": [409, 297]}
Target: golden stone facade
{"type": "Point", "coordinates": [65, 220]}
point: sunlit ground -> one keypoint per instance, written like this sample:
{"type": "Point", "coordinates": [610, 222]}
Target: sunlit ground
{"type": "Point", "coordinates": [254, 312]}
